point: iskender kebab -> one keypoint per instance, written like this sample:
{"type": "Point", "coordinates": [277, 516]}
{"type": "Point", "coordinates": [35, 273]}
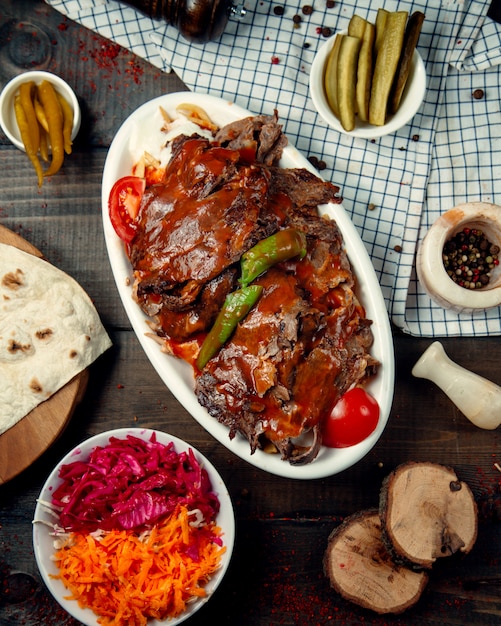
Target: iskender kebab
{"type": "Point", "coordinates": [244, 279]}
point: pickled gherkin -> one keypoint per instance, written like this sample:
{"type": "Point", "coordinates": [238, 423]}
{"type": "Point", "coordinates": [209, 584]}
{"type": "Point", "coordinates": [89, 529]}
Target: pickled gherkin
{"type": "Point", "coordinates": [347, 79]}
{"type": "Point", "coordinates": [367, 69]}
{"type": "Point", "coordinates": [386, 66]}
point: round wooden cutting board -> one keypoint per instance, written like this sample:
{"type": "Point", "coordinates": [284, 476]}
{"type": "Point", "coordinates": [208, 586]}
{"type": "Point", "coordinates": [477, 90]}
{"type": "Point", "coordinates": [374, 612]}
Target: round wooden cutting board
{"type": "Point", "coordinates": [22, 444]}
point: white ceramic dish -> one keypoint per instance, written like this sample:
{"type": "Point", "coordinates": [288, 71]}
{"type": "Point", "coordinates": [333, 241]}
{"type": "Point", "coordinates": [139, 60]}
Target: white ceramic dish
{"type": "Point", "coordinates": [43, 541]}
{"type": "Point", "coordinates": [412, 97]}
{"type": "Point", "coordinates": [176, 374]}
{"type": "Point", "coordinates": [7, 113]}
{"type": "Point", "coordinates": [430, 266]}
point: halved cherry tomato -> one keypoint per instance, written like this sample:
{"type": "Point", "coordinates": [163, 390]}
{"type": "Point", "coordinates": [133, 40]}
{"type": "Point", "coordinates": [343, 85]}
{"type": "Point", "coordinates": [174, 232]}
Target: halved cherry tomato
{"type": "Point", "coordinates": [353, 418]}
{"type": "Point", "coordinates": [123, 204]}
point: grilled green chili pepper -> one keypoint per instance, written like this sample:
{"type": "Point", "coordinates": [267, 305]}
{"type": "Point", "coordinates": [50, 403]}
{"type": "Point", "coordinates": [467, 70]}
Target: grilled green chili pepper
{"type": "Point", "coordinates": [236, 306]}
{"type": "Point", "coordinates": [283, 245]}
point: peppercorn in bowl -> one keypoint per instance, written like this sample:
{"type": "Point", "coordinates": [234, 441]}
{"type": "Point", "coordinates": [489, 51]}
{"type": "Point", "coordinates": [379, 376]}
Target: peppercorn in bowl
{"type": "Point", "coordinates": [458, 261]}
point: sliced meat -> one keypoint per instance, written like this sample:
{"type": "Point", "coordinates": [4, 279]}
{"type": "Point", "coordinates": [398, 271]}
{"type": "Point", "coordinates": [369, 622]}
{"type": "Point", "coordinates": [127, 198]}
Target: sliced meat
{"type": "Point", "coordinates": [210, 208]}
{"type": "Point", "coordinates": [305, 189]}
{"type": "Point", "coordinates": [260, 136]}
{"type": "Point", "coordinates": [302, 346]}
{"type": "Point", "coordinates": [307, 340]}
{"type": "Point", "coordinates": [198, 222]}
{"type": "Point", "coordinates": [183, 324]}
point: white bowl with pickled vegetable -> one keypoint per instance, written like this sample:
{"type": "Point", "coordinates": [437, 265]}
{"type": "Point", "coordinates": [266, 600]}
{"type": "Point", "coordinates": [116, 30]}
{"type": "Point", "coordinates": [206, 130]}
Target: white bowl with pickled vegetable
{"type": "Point", "coordinates": [8, 120]}
{"type": "Point", "coordinates": [152, 452]}
{"type": "Point", "coordinates": [410, 102]}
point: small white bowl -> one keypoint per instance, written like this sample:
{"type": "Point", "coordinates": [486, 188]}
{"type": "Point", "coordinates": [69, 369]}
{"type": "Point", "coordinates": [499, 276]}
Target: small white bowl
{"type": "Point", "coordinates": [7, 114]}
{"type": "Point", "coordinates": [43, 540]}
{"type": "Point", "coordinates": [412, 97]}
{"type": "Point", "coordinates": [430, 266]}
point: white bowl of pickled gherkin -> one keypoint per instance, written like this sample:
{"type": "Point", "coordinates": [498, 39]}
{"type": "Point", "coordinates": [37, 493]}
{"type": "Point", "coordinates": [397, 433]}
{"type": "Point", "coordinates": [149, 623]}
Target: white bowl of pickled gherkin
{"type": "Point", "coordinates": [40, 114]}
{"type": "Point", "coordinates": [369, 81]}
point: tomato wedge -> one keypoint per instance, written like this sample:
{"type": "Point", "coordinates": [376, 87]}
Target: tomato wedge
{"type": "Point", "coordinates": [353, 418]}
{"type": "Point", "coordinates": [123, 205]}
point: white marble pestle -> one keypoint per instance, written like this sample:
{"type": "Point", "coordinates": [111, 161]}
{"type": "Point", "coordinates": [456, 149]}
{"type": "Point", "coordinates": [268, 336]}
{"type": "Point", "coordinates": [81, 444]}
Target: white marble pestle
{"type": "Point", "coordinates": [476, 397]}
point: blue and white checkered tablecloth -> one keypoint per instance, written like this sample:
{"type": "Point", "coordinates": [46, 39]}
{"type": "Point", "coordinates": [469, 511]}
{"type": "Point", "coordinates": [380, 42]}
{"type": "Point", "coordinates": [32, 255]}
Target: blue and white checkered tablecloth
{"type": "Point", "coordinates": [449, 154]}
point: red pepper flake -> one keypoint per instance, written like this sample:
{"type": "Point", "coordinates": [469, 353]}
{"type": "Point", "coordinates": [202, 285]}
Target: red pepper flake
{"type": "Point", "coordinates": [120, 386]}
{"type": "Point", "coordinates": [110, 50]}
{"type": "Point", "coordinates": [275, 60]}
{"type": "Point", "coordinates": [104, 54]}
{"type": "Point", "coordinates": [62, 26]}
{"type": "Point", "coordinates": [135, 70]}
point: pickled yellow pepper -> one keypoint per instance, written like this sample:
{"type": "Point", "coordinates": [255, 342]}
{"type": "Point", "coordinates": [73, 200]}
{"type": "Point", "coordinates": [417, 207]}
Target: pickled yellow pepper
{"type": "Point", "coordinates": [44, 145]}
{"type": "Point", "coordinates": [45, 120]}
{"type": "Point", "coordinates": [67, 122]}
{"type": "Point", "coordinates": [40, 113]}
{"type": "Point", "coordinates": [26, 91]}
{"type": "Point", "coordinates": [52, 107]}
{"type": "Point", "coordinates": [27, 138]}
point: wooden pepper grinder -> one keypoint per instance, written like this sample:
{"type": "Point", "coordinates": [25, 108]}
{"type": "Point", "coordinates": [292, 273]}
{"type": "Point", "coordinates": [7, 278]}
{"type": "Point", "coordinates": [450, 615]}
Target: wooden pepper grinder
{"type": "Point", "coordinates": [198, 21]}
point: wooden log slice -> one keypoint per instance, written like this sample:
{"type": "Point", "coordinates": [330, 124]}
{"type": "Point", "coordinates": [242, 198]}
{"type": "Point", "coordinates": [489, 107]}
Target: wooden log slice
{"type": "Point", "coordinates": [427, 513]}
{"type": "Point", "coordinates": [362, 570]}
{"type": "Point", "coordinates": [27, 440]}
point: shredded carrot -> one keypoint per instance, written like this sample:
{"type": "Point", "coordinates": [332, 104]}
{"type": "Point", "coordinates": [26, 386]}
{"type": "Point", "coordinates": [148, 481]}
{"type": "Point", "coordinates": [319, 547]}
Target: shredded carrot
{"type": "Point", "coordinates": [126, 578]}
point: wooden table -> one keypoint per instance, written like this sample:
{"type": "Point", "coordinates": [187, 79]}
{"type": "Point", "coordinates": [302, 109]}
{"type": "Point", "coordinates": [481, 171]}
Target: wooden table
{"type": "Point", "coordinates": [275, 577]}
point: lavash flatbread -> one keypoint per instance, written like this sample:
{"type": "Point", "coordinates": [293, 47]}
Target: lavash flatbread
{"type": "Point", "coordinates": [49, 332]}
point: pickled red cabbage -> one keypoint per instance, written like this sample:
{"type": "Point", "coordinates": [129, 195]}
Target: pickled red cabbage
{"type": "Point", "coordinates": [132, 484]}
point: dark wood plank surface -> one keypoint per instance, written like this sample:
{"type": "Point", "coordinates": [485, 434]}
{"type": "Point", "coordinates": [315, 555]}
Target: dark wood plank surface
{"type": "Point", "coordinates": [275, 577]}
